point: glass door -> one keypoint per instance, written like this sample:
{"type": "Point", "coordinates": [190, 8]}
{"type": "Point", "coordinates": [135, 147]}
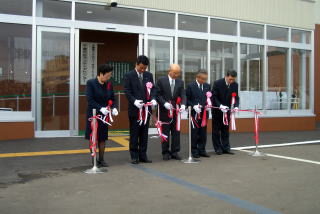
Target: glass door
{"type": "Point", "coordinates": [53, 82]}
{"type": "Point", "coordinates": [160, 52]}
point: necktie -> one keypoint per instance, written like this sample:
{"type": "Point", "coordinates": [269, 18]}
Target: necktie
{"type": "Point", "coordinates": [140, 78]}
{"type": "Point", "coordinates": [172, 87]}
{"type": "Point", "coordinates": [201, 87]}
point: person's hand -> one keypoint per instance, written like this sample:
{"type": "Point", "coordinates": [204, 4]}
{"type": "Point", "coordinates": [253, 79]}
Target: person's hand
{"type": "Point", "coordinates": [223, 108]}
{"type": "Point", "coordinates": [154, 102]}
{"type": "Point", "coordinates": [115, 112]}
{"type": "Point", "coordinates": [197, 108]}
{"type": "Point", "coordinates": [236, 109]}
{"type": "Point", "coordinates": [182, 108]}
{"type": "Point", "coordinates": [138, 104]}
{"type": "Point", "coordinates": [168, 106]}
{"type": "Point", "coordinates": [104, 110]}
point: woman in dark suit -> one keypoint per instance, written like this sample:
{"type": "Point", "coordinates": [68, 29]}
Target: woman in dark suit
{"type": "Point", "coordinates": [99, 92]}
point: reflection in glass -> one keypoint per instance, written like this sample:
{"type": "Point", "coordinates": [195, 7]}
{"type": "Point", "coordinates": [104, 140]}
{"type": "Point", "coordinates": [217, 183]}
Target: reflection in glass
{"type": "Point", "coordinates": [159, 55]}
{"type": "Point", "coordinates": [223, 58]}
{"type": "Point", "coordinates": [300, 36]}
{"type": "Point", "coordinates": [251, 86]}
{"type": "Point", "coordinates": [15, 67]}
{"type": "Point", "coordinates": [277, 90]}
{"type": "Point", "coordinates": [161, 20]}
{"type": "Point", "coordinates": [116, 15]}
{"type": "Point", "coordinates": [277, 33]}
{"type": "Point", "coordinates": [192, 55]}
{"type": "Point", "coordinates": [226, 27]}
{"type": "Point", "coordinates": [55, 74]}
{"type": "Point", "coordinates": [193, 23]}
{"type": "Point", "coordinates": [300, 76]}
{"type": "Point", "coordinates": [54, 9]}
{"type": "Point", "coordinates": [252, 30]}
{"type": "Point", "coordinates": [16, 7]}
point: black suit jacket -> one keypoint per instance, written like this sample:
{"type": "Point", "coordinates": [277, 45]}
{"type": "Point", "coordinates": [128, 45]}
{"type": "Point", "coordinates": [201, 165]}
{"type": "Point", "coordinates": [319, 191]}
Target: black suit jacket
{"type": "Point", "coordinates": [197, 96]}
{"type": "Point", "coordinates": [134, 90]}
{"type": "Point", "coordinates": [221, 95]}
{"type": "Point", "coordinates": [164, 94]}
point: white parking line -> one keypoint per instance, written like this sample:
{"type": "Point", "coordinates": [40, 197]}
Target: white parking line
{"type": "Point", "coordinates": [286, 157]}
{"type": "Point", "coordinates": [278, 145]}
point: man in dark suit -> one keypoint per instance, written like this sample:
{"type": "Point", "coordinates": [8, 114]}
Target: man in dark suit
{"type": "Point", "coordinates": [169, 90]}
{"type": "Point", "coordinates": [196, 98]}
{"type": "Point", "coordinates": [137, 93]}
{"type": "Point", "coordinates": [221, 96]}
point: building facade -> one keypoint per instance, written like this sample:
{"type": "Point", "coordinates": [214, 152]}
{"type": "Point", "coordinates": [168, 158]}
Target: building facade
{"type": "Point", "coordinates": [49, 48]}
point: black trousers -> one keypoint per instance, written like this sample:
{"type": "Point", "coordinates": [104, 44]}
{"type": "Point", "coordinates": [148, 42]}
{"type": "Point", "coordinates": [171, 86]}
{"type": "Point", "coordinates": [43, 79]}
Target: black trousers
{"type": "Point", "coordinates": [138, 142]}
{"type": "Point", "coordinates": [198, 139]}
{"type": "Point", "coordinates": [173, 137]}
{"type": "Point", "coordinates": [220, 135]}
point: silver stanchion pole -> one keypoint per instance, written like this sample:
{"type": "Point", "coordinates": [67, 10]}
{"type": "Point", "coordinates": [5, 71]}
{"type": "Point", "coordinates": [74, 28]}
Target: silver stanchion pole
{"type": "Point", "coordinates": [256, 153]}
{"type": "Point", "coordinates": [190, 159]}
{"type": "Point", "coordinates": [94, 169]}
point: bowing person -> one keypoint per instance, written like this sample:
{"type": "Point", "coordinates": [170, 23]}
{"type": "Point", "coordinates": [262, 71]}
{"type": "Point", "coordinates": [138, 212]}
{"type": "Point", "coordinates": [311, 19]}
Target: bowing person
{"type": "Point", "coordinates": [172, 100]}
{"type": "Point", "coordinates": [222, 91]}
{"type": "Point", "coordinates": [141, 94]}
{"type": "Point", "coordinates": [100, 96]}
{"type": "Point", "coordinates": [196, 98]}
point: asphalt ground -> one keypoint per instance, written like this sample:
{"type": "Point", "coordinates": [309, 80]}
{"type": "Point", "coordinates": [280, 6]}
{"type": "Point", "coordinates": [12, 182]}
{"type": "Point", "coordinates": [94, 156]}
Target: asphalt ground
{"type": "Point", "coordinates": [45, 175]}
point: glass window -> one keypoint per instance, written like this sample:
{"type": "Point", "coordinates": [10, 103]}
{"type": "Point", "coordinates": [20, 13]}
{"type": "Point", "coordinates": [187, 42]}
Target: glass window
{"type": "Point", "coordinates": [192, 55]}
{"type": "Point", "coordinates": [193, 23]}
{"type": "Point", "coordinates": [15, 67]}
{"type": "Point", "coordinates": [116, 15]}
{"type": "Point", "coordinates": [277, 90]}
{"type": "Point", "coordinates": [54, 9]}
{"type": "Point", "coordinates": [252, 30]}
{"type": "Point", "coordinates": [300, 79]}
{"type": "Point", "coordinates": [251, 86]}
{"type": "Point", "coordinates": [223, 27]}
{"type": "Point", "coordinates": [300, 36]}
{"type": "Point", "coordinates": [277, 33]}
{"type": "Point", "coordinates": [223, 58]}
{"type": "Point", "coordinates": [16, 7]}
{"type": "Point", "coordinates": [161, 20]}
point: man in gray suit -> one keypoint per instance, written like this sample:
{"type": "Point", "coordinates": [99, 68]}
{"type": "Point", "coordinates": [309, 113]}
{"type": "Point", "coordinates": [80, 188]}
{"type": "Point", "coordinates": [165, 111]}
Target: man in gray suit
{"type": "Point", "coordinates": [170, 91]}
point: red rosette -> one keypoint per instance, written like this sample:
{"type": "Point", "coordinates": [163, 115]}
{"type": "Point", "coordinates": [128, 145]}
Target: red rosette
{"type": "Point", "coordinates": [178, 100]}
{"type": "Point", "coordinates": [234, 94]}
{"type": "Point", "coordinates": [110, 103]}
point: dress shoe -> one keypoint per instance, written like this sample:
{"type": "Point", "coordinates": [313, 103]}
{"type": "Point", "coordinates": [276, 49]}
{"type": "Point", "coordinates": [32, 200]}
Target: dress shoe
{"type": "Point", "coordinates": [196, 156]}
{"type": "Point", "coordinates": [176, 156]}
{"type": "Point", "coordinates": [135, 162]}
{"type": "Point", "coordinates": [218, 152]}
{"type": "Point", "coordinates": [102, 163]}
{"type": "Point", "coordinates": [166, 157]}
{"type": "Point", "coordinates": [204, 154]}
{"type": "Point", "coordinates": [145, 160]}
{"type": "Point", "coordinates": [228, 152]}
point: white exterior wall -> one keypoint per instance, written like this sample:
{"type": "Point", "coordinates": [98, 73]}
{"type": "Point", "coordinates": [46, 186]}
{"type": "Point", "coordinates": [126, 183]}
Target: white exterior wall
{"type": "Point", "coordinates": [292, 13]}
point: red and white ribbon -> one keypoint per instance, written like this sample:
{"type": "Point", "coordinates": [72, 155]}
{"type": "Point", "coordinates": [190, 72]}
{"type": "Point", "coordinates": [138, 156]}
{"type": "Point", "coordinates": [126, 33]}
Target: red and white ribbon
{"type": "Point", "coordinates": [232, 112]}
{"type": "Point", "coordinates": [144, 113]}
{"type": "Point", "coordinates": [158, 125]}
{"type": "Point", "coordinates": [94, 132]}
{"type": "Point", "coordinates": [208, 105]}
{"type": "Point", "coordinates": [108, 118]}
{"type": "Point", "coordinates": [178, 113]}
{"type": "Point", "coordinates": [170, 111]}
{"type": "Point", "coordinates": [149, 86]}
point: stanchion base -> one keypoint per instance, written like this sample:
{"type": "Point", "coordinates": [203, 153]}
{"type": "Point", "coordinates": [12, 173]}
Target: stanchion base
{"type": "Point", "coordinates": [190, 160]}
{"type": "Point", "coordinates": [257, 154]}
{"type": "Point", "coordinates": [94, 170]}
